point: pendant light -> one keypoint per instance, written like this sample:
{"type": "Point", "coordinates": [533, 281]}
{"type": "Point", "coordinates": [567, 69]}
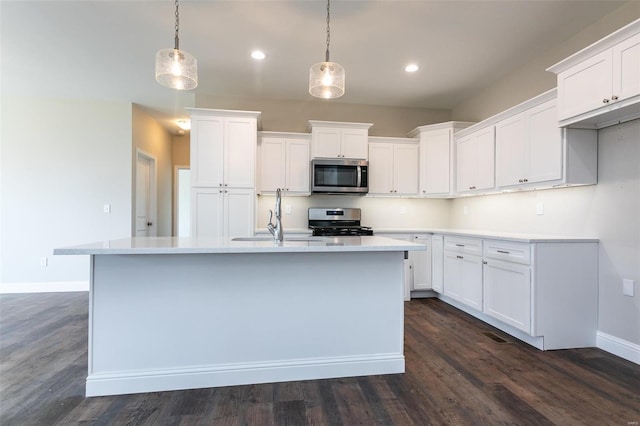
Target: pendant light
{"type": "Point", "coordinates": [326, 79]}
{"type": "Point", "coordinates": [176, 68]}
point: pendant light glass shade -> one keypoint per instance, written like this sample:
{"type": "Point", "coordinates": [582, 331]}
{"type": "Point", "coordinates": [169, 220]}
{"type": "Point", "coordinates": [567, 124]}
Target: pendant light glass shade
{"type": "Point", "coordinates": [326, 80]}
{"type": "Point", "coordinates": [176, 69]}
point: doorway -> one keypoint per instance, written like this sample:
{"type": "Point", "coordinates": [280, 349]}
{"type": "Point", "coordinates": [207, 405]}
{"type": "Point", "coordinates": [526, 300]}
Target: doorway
{"type": "Point", "coordinates": [145, 203]}
{"type": "Point", "coordinates": [182, 203]}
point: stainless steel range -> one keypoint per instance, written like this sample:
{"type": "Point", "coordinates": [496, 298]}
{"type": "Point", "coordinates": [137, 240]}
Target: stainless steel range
{"type": "Point", "coordinates": [336, 222]}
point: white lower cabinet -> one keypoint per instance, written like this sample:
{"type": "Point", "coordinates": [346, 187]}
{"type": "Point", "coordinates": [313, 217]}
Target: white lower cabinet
{"type": "Point", "coordinates": [417, 267]}
{"type": "Point", "coordinates": [544, 291]}
{"type": "Point", "coordinates": [437, 263]}
{"type": "Point", "coordinates": [507, 293]}
{"type": "Point", "coordinates": [463, 278]}
{"type": "Point", "coordinates": [218, 212]}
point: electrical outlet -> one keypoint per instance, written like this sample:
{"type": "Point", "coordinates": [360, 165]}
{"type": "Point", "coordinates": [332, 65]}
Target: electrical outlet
{"type": "Point", "coordinates": [287, 209]}
{"type": "Point", "coordinates": [539, 209]}
{"type": "Point", "coordinates": [107, 208]}
{"type": "Point", "coordinates": [465, 210]}
{"type": "Point", "coordinates": [627, 287]}
{"type": "Point", "coordinates": [44, 261]}
{"type": "Point", "coordinates": [403, 210]}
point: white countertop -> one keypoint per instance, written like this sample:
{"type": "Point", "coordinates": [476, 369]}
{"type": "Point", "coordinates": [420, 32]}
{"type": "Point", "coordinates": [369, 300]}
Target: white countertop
{"type": "Point", "coordinates": [175, 245]}
{"type": "Point", "coordinates": [506, 236]}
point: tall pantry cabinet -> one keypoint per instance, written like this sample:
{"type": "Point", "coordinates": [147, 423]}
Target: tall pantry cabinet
{"type": "Point", "coordinates": [223, 164]}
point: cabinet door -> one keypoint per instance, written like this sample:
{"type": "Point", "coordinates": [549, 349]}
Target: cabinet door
{"type": "Point", "coordinates": [437, 263]}
{"type": "Point", "coordinates": [354, 143]}
{"type": "Point", "coordinates": [583, 87]}
{"type": "Point", "coordinates": [207, 140]}
{"type": "Point", "coordinates": [421, 261]}
{"type": "Point", "coordinates": [435, 162]}
{"type": "Point", "coordinates": [207, 212]}
{"type": "Point", "coordinates": [325, 142]}
{"type": "Point", "coordinates": [453, 286]}
{"type": "Point", "coordinates": [272, 164]}
{"type": "Point", "coordinates": [472, 281]}
{"type": "Point", "coordinates": [511, 152]}
{"type": "Point", "coordinates": [466, 164]}
{"type": "Point", "coordinates": [626, 68]}
{"type": "Point", "coordinates": [485, 159]}
{"type": "Point", "coordinates": [297, 166]}
{"type": "Point", "coordinates": [381, 168]}
{"type": "Point", "coordinates": [239, 213]}
{"type": "Point", "coordinates": [405, 169]}
{"type": "Point", "coordinates": [544, 144]}
{"type": "Point", "coordinates": [240, 152]}
{"type": "Point", "coordinates": [507, 293]}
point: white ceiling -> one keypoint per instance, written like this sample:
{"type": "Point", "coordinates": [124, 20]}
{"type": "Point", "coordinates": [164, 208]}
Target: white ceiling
{"type": "Point", "coordinates": [105, 49]}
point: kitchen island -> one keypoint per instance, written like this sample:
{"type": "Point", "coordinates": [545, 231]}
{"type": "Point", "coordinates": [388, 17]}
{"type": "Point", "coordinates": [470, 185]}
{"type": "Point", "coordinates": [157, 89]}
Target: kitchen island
{"type": "Point", "coordinates": [181, 313]}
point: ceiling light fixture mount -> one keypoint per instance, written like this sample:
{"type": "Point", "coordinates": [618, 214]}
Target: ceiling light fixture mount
{"type": "Point", "coordinates": [176, 68]}
{"type": "Point", "coordinates": [326, 79]}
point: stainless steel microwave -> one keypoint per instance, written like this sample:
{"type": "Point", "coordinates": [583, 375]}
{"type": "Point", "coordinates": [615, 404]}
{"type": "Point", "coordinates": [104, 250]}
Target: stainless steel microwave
{"type": "Point", "coordinates": [339, 176]}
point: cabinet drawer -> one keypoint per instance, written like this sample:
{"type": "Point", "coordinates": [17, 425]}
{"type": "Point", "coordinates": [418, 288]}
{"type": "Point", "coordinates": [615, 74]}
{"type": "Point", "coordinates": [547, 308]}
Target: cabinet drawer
{"type": "Point", "coordinates": [510, 252]}
{"type": "Point", "coordinates": [463, 245]}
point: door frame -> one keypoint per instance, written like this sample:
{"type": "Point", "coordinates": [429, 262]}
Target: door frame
{"type": "Point", "coordinates": [153, 192]}
{"type": "Point", "coordinates": [176, 170]}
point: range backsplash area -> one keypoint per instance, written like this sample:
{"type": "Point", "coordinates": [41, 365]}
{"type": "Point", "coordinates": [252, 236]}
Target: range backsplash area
{"type": "Point", "coordinates": [378, 213]}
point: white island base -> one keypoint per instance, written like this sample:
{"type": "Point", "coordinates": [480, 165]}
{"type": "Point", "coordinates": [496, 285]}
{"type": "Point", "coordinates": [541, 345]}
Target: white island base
{"type": "Point", "coordinates": [182, 321]}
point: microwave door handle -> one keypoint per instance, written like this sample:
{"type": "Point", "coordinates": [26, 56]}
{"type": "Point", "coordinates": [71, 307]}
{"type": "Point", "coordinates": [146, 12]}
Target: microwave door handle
{"type": "Point", "coordinates": [359, 179]}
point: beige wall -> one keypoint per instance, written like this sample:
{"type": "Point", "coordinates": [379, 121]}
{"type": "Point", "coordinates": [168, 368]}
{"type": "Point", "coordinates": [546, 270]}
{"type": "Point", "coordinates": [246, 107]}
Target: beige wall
{"type": "Point", "coordinates": [293, 116]}
{"type": "Point", "coordinates": [181, 149]}
{"type": "Point", "coordinates": [150, 137]}
{"type": "Point", "coordinates": [532, 79]}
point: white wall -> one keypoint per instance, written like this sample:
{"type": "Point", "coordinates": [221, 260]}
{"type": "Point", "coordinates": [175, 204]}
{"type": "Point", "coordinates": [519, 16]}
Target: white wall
{"type": "Point", "coordinates": [62, 160]}
{"type": "Point", "coordinates": [378, 213]}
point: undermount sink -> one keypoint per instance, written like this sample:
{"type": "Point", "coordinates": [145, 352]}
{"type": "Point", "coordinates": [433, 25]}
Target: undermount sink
{"type": "Point", "coordinates": [286, 238]}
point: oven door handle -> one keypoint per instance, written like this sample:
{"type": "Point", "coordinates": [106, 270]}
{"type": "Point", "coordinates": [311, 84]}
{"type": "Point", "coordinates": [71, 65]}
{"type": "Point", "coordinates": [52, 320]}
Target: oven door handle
{"type": "Point", "coordinates": [359, 179]}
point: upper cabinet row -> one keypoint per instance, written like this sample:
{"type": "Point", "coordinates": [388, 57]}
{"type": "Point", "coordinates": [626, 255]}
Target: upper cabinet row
{"type": "Point", "coordinates": [600, 85]}
{"type": "Point", "coordinates": [339, 140]}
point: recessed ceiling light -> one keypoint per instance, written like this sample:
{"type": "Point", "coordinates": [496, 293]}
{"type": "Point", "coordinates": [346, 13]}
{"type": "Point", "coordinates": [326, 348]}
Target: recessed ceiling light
{"type": "Point", "coordinates": [411, 68]}
{"type": "Point", "coordinates": [184, 124]}
{"type": "Point", "coordinates": [258, 54]}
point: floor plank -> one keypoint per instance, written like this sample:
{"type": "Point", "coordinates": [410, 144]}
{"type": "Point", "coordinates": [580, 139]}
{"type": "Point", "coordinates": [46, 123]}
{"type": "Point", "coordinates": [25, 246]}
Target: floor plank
{"type": "Point", "coordinates": [455, 374]}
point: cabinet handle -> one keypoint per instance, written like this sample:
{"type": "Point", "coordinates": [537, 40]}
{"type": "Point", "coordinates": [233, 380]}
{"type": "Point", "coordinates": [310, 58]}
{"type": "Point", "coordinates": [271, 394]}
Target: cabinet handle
{"type": "Point", "coordinates": [605, 101]}
{"type": "Point", "coordinates": [526, 180]}
{"type": "Point", "coordinates": [484, 262]}
{"type": "Point", "coordinates": [459, 257]}
{"type": "Point", "coordinates": [219, 184]}
{"type": "Point", "coordinates": [520, 181]}
{"type": "Point", "coordinates": [614, 97]}
{"type": "Point", "coordinates": [459, 245]}
{"type": "Point", "coordinates": [502, 251]}
{"type": "Point", "coordinates": [220, 191]}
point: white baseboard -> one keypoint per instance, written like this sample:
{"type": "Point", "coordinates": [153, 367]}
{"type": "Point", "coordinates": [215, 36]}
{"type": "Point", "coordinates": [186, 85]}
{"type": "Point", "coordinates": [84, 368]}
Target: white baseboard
{"type": "Point", "coordinates": [44, 287]}
{"type": "Point", "coordinates": [622, 348]}
{"type": "Point", "coordinates": [120, 383]}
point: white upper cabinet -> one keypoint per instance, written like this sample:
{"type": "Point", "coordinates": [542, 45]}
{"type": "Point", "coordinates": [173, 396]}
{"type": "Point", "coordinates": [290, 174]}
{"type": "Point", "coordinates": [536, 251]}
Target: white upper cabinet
{"type": "Point", "coordinates": [600, 85]}
{"type": "Point", "coordinates": [476, 161]}
{"type": "Point", "coordinates": [331, 139]}
{"type": "Point", "coordinates": [533, 152]}
{"type": "Point", "coordinates": [393, 166]}
{"type": "Point", "coordinates": [284, 163]}
{"type": "Point", "coordinates": [437, 158]}
{"type": "Point", "coordinates": [223, 148]}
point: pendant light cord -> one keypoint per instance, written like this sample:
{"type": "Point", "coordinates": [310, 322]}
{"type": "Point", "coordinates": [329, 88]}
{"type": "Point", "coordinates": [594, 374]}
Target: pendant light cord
{"type": "Point", "coordinates": [177, 41]}
{"type": "Point", "coordinates": [328, 30]}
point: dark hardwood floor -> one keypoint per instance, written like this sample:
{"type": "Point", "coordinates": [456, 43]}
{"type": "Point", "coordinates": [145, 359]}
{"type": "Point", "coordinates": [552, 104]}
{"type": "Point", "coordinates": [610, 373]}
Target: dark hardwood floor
{"type": "Point", "coordinates": [458, 371]}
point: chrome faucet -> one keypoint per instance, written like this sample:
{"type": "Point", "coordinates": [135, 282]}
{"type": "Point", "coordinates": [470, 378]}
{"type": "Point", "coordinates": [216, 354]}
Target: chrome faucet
{"type": "Point", "coordinates": [276, 230]}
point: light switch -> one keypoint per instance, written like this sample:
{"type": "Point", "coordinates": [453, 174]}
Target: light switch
{"type": "Point", "coordinates": [107, 208]}
{"type": "Point", "coordinates": [627, 287]}
{"type": "Point", "coordinates": [403, 210]}
{"type": "Point", "coordinates": [465, 210]}
{"type": "Point", "coordinates": [539, 209]}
